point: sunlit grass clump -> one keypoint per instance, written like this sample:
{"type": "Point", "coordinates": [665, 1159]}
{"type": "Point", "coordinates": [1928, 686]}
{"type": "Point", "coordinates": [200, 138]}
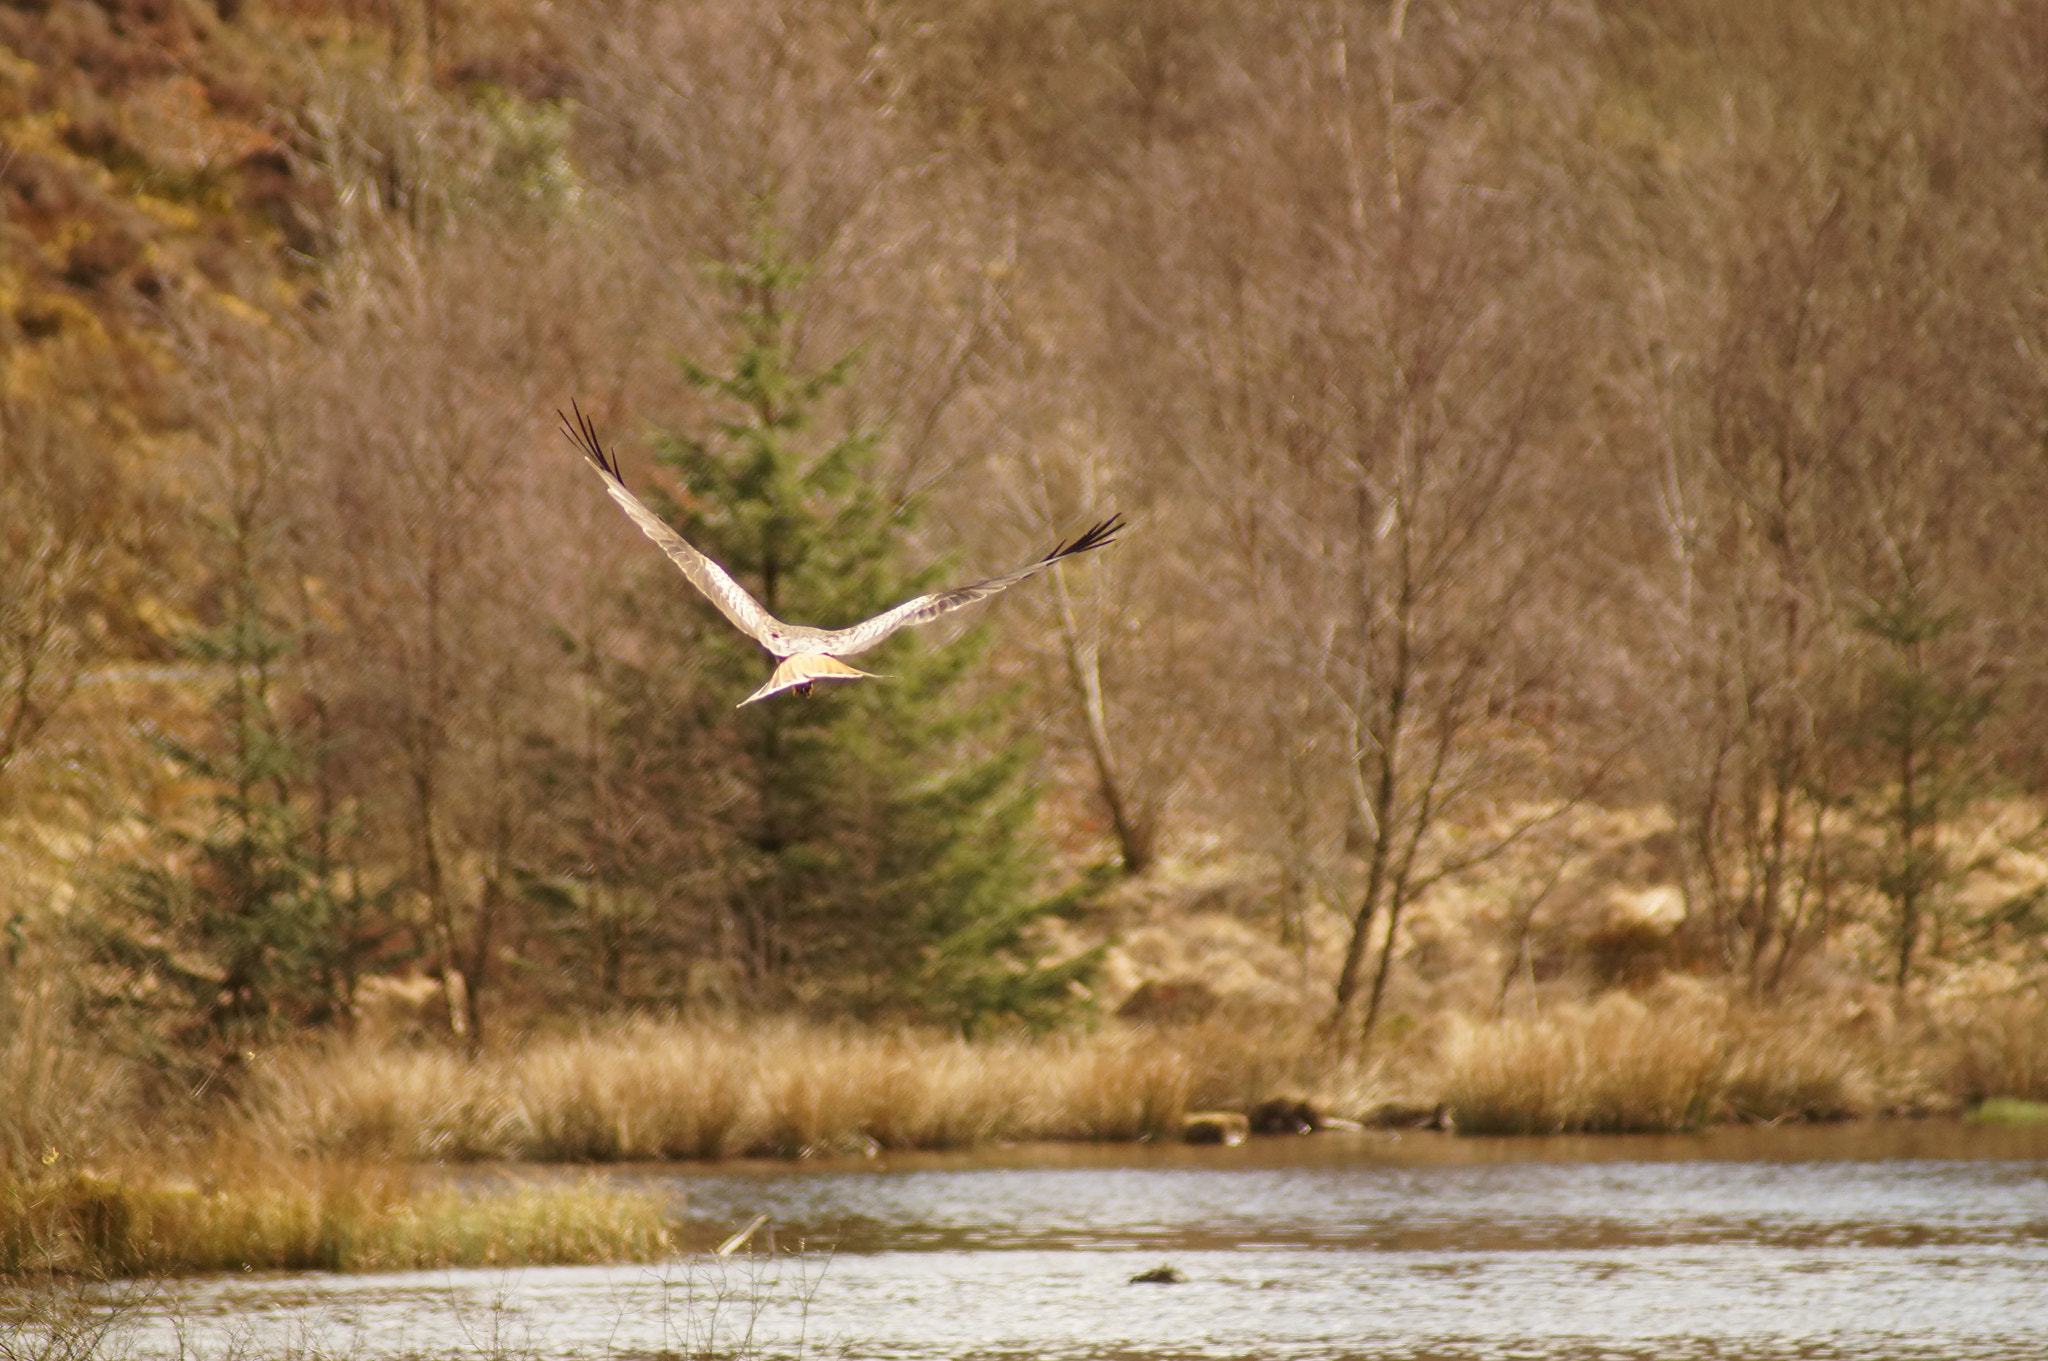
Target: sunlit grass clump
{"type": "Point", "coordinates": [586, 1222]}
{"type": "Point", "coordinates": [252, 1213]}
{"type": "Point", "coordinates": [1787, 1064]}
{"type": "Point", "coordinates": [649, 1091]}
{"type": "Point", "coordinates": [1616, 1067]}
{"type": "Point", "coordinates": [2003, 1046]}
{"type": "Point", "coordinates": [1682, 1058]}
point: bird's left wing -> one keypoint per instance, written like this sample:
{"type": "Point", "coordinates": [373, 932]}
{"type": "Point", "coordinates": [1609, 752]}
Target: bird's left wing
{"type": "Point", "coordinates": [728, 595]}
{"type": "Point", "coordinates": [925, 608]}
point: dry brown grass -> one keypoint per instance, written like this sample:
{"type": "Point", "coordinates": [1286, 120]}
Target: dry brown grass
{"type": "Point", "coordinates": [1674, 1059]}
{"type": "Point", "coordinates": [1788, 1065]}
{"type": "Point", "coordinates": [652, 1091]}
{"type": "Point", "coordinates": [230, 1206]}
{"type": "Point", "coordinates": [1684, 1057]}
{"type": "Point", "coordinates": [63, 1097]}
{"type": "Point", "coordinates": [1613, 1067]}
{"type": "Point", "coordinates": [2002, 1049]}
{"type": "Point", "coordinates": [305, 1171]}
{"type": "Point", "coordinates": [419, 1105]}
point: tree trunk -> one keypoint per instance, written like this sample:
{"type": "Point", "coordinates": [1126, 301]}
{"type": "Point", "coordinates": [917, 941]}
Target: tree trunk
{"type": "Point", "coordinates": [1136, 831]}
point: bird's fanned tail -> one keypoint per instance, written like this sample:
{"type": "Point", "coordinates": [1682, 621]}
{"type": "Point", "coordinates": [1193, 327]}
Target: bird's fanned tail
{"type": "Point", "coordinates": [798, 673]}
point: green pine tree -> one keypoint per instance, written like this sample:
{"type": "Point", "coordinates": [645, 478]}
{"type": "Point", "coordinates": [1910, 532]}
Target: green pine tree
{"type": "Point", "coordinates": [1921, 720]}
{"type": "Point", "coordinates": [881, 829]}
{"type": "Point", "coordinates": [249, 927]}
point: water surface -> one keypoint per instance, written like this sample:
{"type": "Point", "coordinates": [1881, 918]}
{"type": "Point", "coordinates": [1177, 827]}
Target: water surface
{"type": "Point", "coordinates": [1876, 1242]}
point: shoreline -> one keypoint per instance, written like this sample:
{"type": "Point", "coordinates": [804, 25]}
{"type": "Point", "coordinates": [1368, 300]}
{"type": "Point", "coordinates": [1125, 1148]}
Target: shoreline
{"type": "Point", "coordinates": [507, 1214]}
{"type": "Point", "coordinates": [1864, 1139]}
{"type": "Point", "coordinates": [354, 1155]}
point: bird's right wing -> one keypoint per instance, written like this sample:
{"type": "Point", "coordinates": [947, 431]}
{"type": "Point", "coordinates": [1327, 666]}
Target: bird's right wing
{"type": "Point", "coordinates": [925, 608]}
{"type": "Point", "coordinates": [707, 576]}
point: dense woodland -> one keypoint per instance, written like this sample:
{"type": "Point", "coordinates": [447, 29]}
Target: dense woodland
{"type": "Point", "coordinates": [1528, 414]}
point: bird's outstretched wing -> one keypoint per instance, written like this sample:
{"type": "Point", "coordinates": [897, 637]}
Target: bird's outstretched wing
{"type": "Point", "coordinates": [925, 608]}
{"type": "Point", "coordinates": [707, 576]}
{"type": "Point", "coordinates": [785, 640]}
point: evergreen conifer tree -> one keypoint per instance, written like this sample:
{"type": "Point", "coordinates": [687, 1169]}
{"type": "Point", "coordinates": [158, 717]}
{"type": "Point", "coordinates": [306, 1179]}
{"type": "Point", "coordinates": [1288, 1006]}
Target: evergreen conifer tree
{"type": "Point", "coordinates": [250, 926]}
{"type": "Point", "coordinates": [1920, 721]}
{"type": "Point", "coordinates": [881, 830]}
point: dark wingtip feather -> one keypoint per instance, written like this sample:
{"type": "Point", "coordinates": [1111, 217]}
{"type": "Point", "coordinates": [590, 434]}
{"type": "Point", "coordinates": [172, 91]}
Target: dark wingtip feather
{"type": "Point", "coordinates": [582, 432]}
{"type": "Point", "coordinates": [1099, 536]}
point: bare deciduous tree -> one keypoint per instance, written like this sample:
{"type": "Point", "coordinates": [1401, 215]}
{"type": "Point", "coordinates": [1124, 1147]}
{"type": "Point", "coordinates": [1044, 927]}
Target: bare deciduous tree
{"type": "Point", "coordinates": [55, 526]}
{"type": "Point", "coordinates": [1383, 460]}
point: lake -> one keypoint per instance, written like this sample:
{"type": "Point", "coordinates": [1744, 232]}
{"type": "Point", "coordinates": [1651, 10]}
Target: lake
{"type": "Point", "coordinates": [1877, 1240]}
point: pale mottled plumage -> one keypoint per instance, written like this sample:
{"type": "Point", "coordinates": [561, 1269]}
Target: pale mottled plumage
{"type": "Point", "coordinates": [807, 654]}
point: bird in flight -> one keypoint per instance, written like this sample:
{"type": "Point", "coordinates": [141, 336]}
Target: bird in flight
{"type": "Point", "coordinates": [805, 655]}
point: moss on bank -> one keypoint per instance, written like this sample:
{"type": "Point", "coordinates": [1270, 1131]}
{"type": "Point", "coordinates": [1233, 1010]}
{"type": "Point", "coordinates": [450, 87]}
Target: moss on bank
{"type": "Point", "coordinates": [2007, 1111]}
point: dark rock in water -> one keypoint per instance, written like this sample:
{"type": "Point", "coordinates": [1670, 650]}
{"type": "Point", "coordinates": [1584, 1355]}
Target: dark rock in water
{"type": "Point", "coordinates": [1284, 1116]}
{"type": "Point", "coordinates": [1213, 1127]}
{"type": "Point", "coordinates": [1159, 1275]}
{"type": "Point", "coordinates": [1169, 1002]}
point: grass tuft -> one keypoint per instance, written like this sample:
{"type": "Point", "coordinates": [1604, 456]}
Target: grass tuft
{"type": "Point", "coordinates": [1783, 1065]}
{"type": "Point", "coordinates": [1693, 1057]}
{"type": "Point", "coordinates": [1611, 1068]}
{"type": "Point", "coordinates": [2003, 1049]}
{"type": "Point", "coordinates": [245, 1212]}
